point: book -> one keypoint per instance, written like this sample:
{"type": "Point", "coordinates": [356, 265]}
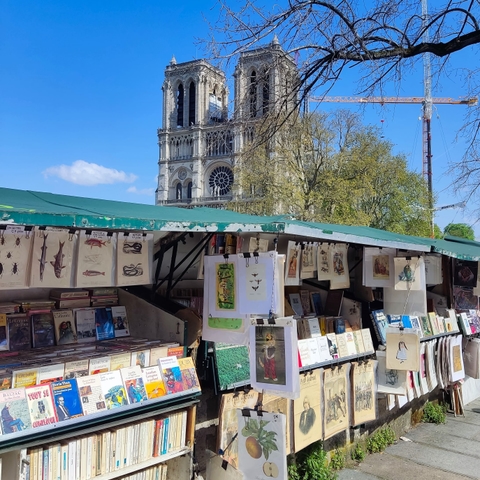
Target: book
{"type": "Point", "coordinates": [67, 399]}
{"type": "Point", "coordinates": [40, 405]}
{"type": "Point", "coordinates": [3, 332]}
{"type": "Point", "coordinates": [104, 323]}
{"type": "Point", "coordinates": [134, 385]}
{"type": "Point", "coordinates": [305, 299]}
{"type": "Point", "coordinates": [316, 301]}
{"type": "Point", "coordinates": [140, 358]}
{"type": "Point", "coordinates": [333, 304]}
{"type": "Point", "coordinates": [113, 389]}
{"type": "Point", "coordinates": [340, 325]}
{"type": "Point", "coordinates": [358, 337]}
{"type": "Point", "coordinates": [71, 302]}
{"type": "Point", "coordinates": [426, 326]}
{"type": "Point", "coordinates": [296, 304]}
{"type": "Point", "coordinates": [171, 374]}
{"type": "Point", "coordinates": [24, 377]}
{"type": "Point", "coordinates": [452, 317]}
{"type": "Point", "coordinates": [5, 379]}
{"type": "Point", "coordinates": [120, 360]}
{"type": "Point", "coordinates": [177, 351]}
{"type": "Point", "coordinates": [65, 331]}
{"type": "Point", "coordinates": [85, 324]}
{"type": "Point", "coordinates": [76, 368]}
{"type": "Point", "coordinates": [14, 412]}
{"type": "Point", "coordinates": [332, 345]}
{"type": "Point", "coordinates": [432, 317]}
{"type": "Point", "coordinates": [120, 321]}
{"type": "Point", "coordinates": [91, 394]}
{"type": "Point", "coordinates": [342, 345]}
{"type": "Point", "coordinates": [19, 333]}
{"type": "Point", "coordinates": [153, 382]}
{"type": "Point", "coordinates": [304, 353]}
{"type": "Point", "coordinates": [395, 321]}
{"type": "Point", "coordinates": [189, 373]}
{"type": "Point", "coordinates": [416, 324]}
{"type": "Point", "coordinates": [314, 327]}
{"type": "Point", "coordinates": [406, 321]}
{"type": "Point", "coordinates": [9, 307]}
{"type": "Point", "coordinates": [61, 293]}
{"type": "Point", "coordinates": [350, 342]}
{"type": "Point", "coordinates": [98, 365]}
{"type": "Point", "coordinates": [380, 323]}
{"type": "Point", "coordinates": [314, 350]}
{"type": "Point", "coordinates": [324, 349]}
{"type": "Point", "coordinates": [43, 329]}
{"type": "Point", "coordinates": [50, 373]}
{"type": "Point", "coordinates": [102, 291]}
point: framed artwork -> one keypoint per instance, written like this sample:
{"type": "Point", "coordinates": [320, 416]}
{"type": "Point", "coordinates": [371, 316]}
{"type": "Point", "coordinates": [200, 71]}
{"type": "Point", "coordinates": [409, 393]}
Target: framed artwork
{"type": "Point", "coordinates": [292, 266]}
{"type": "Point", "coordinates": [409, 273]}
{"type": "Point", "coordinates": [15, 250]}
{"type": "Point", "coordinates": [134, 258]}
{"type": "Point", "coordinates": [364, 396]}
{"type": "Point", "coordinates": [261, 449]}
{"type": "Point", "coordinates": [95, 259]}
{"type": "Point", "coordinates": [393, 382]}
{"type": "Point", "coordinates": [403, 349]}
{"type": "Point", "coordinates": [324, 262]}
{"type": "Point", "coordinates": [307, 410]}
{"type": "Point", "coordinates": [309, 261]}
{"type": "Point", "coordinates": [466, 273]}
{"type": "Point", "coordinates": [339, 259]}
{"type": "Point", "coordinates": [336, 401]}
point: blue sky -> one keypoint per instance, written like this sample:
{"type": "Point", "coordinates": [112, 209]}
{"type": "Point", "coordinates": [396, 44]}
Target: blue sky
{"type": "Point", "coordinates": [81, 98]}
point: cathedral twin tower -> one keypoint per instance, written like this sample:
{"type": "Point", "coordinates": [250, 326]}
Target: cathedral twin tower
{"type": "Point", "coordinates": [199, 142]}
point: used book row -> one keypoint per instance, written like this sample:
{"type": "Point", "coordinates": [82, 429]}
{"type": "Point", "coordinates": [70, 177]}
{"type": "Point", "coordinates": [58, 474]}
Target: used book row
{"type": "Point", "coordinates": [427, 325]}
{"type": "Point", "coordinates": [44, 327]}
{"type": "Point", "coordinates": [87, 456]}
{"type": "Point", "coordinates": [36, 406]}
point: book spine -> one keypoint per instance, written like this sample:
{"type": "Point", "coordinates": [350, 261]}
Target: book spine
{"type": "Point", "coordinates": [375, 327]}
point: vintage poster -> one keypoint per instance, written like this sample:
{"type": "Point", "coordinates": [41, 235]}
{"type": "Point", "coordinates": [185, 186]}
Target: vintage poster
{"type": "Point", "coordinates": [52, 258]}
{"type": "Point", "coordinates": [261, 450]}
{"type": "Point", "coordinates": [324, 262]}
{"type": "Point", "coordinates": [134, 258]}
{"type": "Point", "coordinates": [15, 250]}
{"type": "Point", "coordinates": [433, 269]}
{"type": "Point", "coordinates": [393, 382]}
{"type": "Point", "coordinates": [307, 410]}
{"type": "Point", "coordinates": [336, 401]}
{"type": "Point", "coordinates": [466, 273]}
{"type": "Point", "coordinates": [456, 368]}
{"type": "Point", "coordinates": [276, 404]}
{"type": "Point", "coordinates": [340, 274]}
{"type": "Point", "coordinates": [95, 259]}
{"type": "Point", "coordinates": [378, 268]}
{"type": "Point", "coordinates": [364, 392]}
{"type": "Point", "coordinates": [403, 349]}
{"type": "Point", "coordinates": [292, 268]}
{"type": "Point", "coordinates": [409, 273]}
{"type": "Point", "coordinates": [256, 244]}
{"type": "Point", "coordinates": [309, 261]}
{"type": "Point", "coordinates": [228, 423]}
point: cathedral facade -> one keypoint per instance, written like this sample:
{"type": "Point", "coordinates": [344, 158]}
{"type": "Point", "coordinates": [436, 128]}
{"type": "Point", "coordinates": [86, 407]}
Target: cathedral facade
{"type": "Point", "coordinates": [199, 140]}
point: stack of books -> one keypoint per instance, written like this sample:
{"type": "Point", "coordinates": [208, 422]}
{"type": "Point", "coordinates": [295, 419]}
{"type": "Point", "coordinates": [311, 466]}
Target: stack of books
{"type": "Point", "coordinates": [103, 296]}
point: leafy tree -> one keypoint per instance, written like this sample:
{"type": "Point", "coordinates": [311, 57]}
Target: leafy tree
{"type": "Point", "coordinates": [331, 169]}
{"type": "Point", "coordinates": [460, 230]}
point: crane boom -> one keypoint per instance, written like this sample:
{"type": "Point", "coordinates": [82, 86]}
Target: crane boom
{"type": "Point", "coordinates": [471, 101]}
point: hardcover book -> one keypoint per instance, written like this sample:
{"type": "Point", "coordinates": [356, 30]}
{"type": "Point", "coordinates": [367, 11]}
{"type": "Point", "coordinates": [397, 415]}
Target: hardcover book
{"type": "Point", "coordinates": [65, 331]}
{"type": "Point", "coordinates": [189, 373]}
{"type": "Point", "coordinates": [85, 324]}
{"type": "Point", "coordinates": [172, 376]}
{"type": "Point", "coordinates": [43, 330]}
{"type": "Point", "coordinates": [67, 399]}
{"type": "Point", "coordinates": [14, 413]}
{"type": "Point", "coordinates": [40, 404]}
{"type": "Point", "coordinates": [76, 368]}
{"type": "Point", "coordinates": [19, 333]}
{"type": "Point", "coordinates": [104, 323]}
{"type": "Point", "coordinates": [120, 321]}
{"type": "Point", "coordinates": [134, 385]}
{"type": "Point", "coordinates": [153, 381]}
{"type": "Point", "coordinates": [91, 394]}
{"type": "Point", "coordinates": [50, 373]}
{"type": "Point", "coordinates": [113, 389]}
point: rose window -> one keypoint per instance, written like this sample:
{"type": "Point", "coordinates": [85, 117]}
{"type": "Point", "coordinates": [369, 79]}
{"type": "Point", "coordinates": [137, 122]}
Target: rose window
{"type": "Point", "coordinates": [221, 180]}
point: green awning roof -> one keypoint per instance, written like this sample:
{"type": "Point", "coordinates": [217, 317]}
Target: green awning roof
{"type": "Point", "coordinates": [458, 248]}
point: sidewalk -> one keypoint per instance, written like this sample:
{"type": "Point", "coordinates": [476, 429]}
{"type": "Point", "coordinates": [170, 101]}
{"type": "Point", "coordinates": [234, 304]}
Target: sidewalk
{"type": "Point", "coordinates": [444, 452]}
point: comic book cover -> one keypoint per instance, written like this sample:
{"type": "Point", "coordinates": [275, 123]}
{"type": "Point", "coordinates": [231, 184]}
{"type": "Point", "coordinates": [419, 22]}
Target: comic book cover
{"type": "Point", "coordinates": [14, 413]}
{"type": "Point", "coordinates": [67, 399]}
{"type": "Point", "coordinates": [113, 389]}
{"type": "Point", "coordinates": [134, 385]}
{"type": "Point", "coordinates": [40, 405]}
{"type": "Point", "coordinates": [172, 376]}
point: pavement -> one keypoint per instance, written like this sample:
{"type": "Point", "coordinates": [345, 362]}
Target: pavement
{"type": "Point", "coordinates": [439, 452]}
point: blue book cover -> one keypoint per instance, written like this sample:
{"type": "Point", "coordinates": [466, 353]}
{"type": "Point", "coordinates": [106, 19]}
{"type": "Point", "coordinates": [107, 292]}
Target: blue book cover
{"type": "Point", "coordinates": [104, 326]}
{"type": "Point", "coordinates": [406, 322]}
{"type": "Point", "coordinates": [394, 320]}
{"type": "Point", "coordinates": [339, 325]}
{"type": "Point", "coordinates": [66, 399]}
{"type": "Point", "coordinates": [166, 428]}
{"type": "Point", "coordinates": [380, 324]}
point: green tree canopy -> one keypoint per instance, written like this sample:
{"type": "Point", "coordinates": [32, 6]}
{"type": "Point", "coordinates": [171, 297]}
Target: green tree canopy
{"type": "Point", "coordinates": [460, 230]}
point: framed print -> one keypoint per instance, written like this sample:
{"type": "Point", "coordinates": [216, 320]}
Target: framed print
{"type": "Point", "coordinates": [403, 349]}
{"type": "Point", "coordinates": [336, 400]}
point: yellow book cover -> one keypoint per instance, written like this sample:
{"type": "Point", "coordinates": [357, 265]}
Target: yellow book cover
{"type": "Point", "coordinates": [24, 378]}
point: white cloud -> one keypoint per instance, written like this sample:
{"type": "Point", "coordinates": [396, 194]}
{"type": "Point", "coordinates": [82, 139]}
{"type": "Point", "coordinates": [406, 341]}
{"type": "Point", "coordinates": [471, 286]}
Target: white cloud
{"type": "Point", "coordinates": [142, 191]}
{"type": "Point", "coordinates": [84, 173]}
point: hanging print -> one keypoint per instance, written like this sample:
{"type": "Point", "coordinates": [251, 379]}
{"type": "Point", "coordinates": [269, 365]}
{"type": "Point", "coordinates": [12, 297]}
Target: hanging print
{"type": "Point", "coordinates": [52, 258]}
{"type": "Point", "coordinates": [378, 267]}
{"type": "Point", "coordinates": [403, 349]}
{"type": "Point", "coordinates": [292, 273]}
{"type": "Point", "coordinates": [465, 273]}
{"type": "Point", "coordinates": [134, 259]}
{"type": "Point", "coordinates": [95, 259]}
{"type": "Point", "coordinates": [335, 397]}
{"type": "Point", "coordinates": [15, 249]}
{"type": "Point", "coordinates": [324, 262]}
{"type": "Point", "coordinates": [390, 381]}
{"type": "Point", "coordinates": [364, 392]}
{"type": "Point", "coordinates": [309, 261]}
{"type": "Point", "coordinates": [409, 272]}
{"type": "Point", "coordinates": [270, 350]}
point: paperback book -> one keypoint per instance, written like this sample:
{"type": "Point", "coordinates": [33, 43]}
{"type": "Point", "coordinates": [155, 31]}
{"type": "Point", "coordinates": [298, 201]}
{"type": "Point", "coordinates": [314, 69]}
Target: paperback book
{"type": "Point", "coordinates": [99, 365]}
{"type": "Point", "coordinates": [380, 324]}
{"type": "Point", "coordinates": [172, 376]}
{"type": "Point", "coordinates": [153, 381]}
{"type": "Point", "coordinates": [134, 385]}
{"type": "Point", "coordinates": [120, 321]}
{"type": "Point", "coordinates": [76, 368]}
{"type": "Point", "coordinates": [65, 331]}
{"type": "Point", "coordinates": [19, 333]}
{"type": "Point", "coordinates": [3, 332]}
{"type": "Point", "coordinates": [40, 405]}
{"type": "Point", "coordinates": [189, 374]}
{"type": "Point", "coordinates": [24, 377]}
{"type": "Point", "coordinates": [50, 373]}
{"type": "Point", "coordinates": [85, 324]}
{"type": "Point", "coordinates": [67, 399]}
{"type": "Point", "coordinates": [104, 323]}
{"type": "Point", "coordinates": [113, 389]}
{"type": "Point", "coordinates": [91, 394]}
{"type": "Point", "coordinates": [14, 411]}
{"type": "Point", "coordinates": [121, 360]}
{"type": "Point", "coordinates": [140, 358]}
{"type": "Point", "coordinates": [43, 329]}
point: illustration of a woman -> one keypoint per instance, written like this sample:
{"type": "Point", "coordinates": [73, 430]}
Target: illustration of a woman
{"type": "Point", "coordinates": [292, 266]}
{"type": "Point", "coordinates": [269, 366]}
{"type": "Point", "coordinates": [402, 351]}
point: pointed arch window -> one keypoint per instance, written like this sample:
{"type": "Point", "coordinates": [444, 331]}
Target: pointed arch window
{"type": "Point", "coordinates": [178, 191]}
{"type": "Point", "coordinates": [180, 100]}
{"type": "Point", "coordinates": [252, 94]}
{"type": "Point", "coordinates": [191, 104]}
{"type": "Point", "coordinates": [265, 92]}
{"type": "Point", "coordinates": [189, 190]}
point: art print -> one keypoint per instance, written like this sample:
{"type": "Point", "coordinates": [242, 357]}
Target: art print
{"type": "Point", "coordinates": [364, 392]}
{"type": "Point", "coordinates": [232, 365]}
{"type": "Point", "coordinates": [309, 261]}
{"type": "Point", "coordinates": [381, 267]}
{"type": "Point", "coordinates": [456, 367]}
{"type": "Point", "coordinates": [390, 381]}
{"type": "Point", "coordinates": [261, 449]}
{"type": "Point", "coordinates": [258, 245]}
{"type": "Point", "coordinates": [15, 250]}
{"type": "Point", "coordinates": [408, 273]}
{"type": "Point", "coordinates": [466, 273]}
{"type": "Point", "coordinates": [52, 258]}
{"type": "Point", "coordinates": [378, 268]}
{"type": "Point", "coordinates": [134, 259]}
{"type": "Point", "coordinates": [324, 262]}
{"type": "Point", "coordinates": [275, 404]}
{"type": "Point", "coordinates": [335, 395]}
{"type": "Point", "coordinates": [433, 269]}
{"type": "Point", "coordinates": [292, 273]}
{"type": "Point", "coordinates": [340, 275]}
{"type": "Point", "coordinates": [403, 349]}
{"type": "Point", "coordinates": [270, 354]}
{"type": "Point", "coordinates": [307, 411]}
{"type": "Point", "coordinates": [95, 259]}
{"type": "Point", "coordinates": [225, 291]}
{"type": "Point", "coordinates": [464, 298]}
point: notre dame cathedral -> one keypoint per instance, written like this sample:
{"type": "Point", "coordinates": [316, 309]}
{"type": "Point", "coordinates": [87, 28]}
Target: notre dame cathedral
{"type": "Point", "coordinates": [199, 140]}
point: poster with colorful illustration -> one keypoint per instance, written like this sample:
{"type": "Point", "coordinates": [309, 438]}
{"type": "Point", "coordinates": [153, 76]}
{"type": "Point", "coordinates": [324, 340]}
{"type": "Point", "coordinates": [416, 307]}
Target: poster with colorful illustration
{"type": "Point", "coordinates": [403, 349]}
{"type": "Point", "coordinates": [378, 267]}
{"type": "Point", "coordinates": [409, 273]}
{"type": "Point", "coordinates": [52, 258]}
{"type": "Point", "coordinates": [307, 410]}
{"type": "Point", "coordinates": [15, 251]}
{"type": "Point", "coordinates": [134, 257]}
{"type": "Point", "coordinates": [364, 393]}
{"type": "Point", "coordinates": [95, 259]}
{"type": "Point", "coordinates": [261, 449]}
{"type": "Point", "coordinates": [336, 401]}
{"type": "Point", "coordinates": [292, 267]}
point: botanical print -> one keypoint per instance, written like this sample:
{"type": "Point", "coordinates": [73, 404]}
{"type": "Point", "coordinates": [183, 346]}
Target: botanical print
{"type": "Point", "coordinates": [363, 390]}
{"type": "Point", "coordinates": [276, 404]}
{"type": "Point", "coordinates": [335, 395]}
{"type": "Point", "coordinates": [261, 449]}
{"type": "Point", "coordinates": [225, 294]}
{"type": "Point", "coordinates": [270, 353]}
{"type": "Point", "coordinates": [307, 410]}
{"type": "Point", "coordinates": [133, 259]}
{"type": "Point", "coordinates": [408, 273]}
{"type": "Point", "coordinates": [52, 257]}
{"type": "Point", "coordinates": [15, 247]}
{"type": "Point", "coordinates": [403, 350]}
{"type": "Point", "coordinates": [381, 267]}
{"type": "Point", "coordinates": [95, 259]}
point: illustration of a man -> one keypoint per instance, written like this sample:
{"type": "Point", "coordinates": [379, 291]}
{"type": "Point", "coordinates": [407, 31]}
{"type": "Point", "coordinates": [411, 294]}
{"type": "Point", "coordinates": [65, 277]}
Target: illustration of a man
{"type": "Point", "coordinates": [307, 418]}
{"type": "Point", "coordinates": [268, 363]}
{"type": "Point", "coordinates": [62, 410]}
{"type": "Point", "coordinates": [10, 424]}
